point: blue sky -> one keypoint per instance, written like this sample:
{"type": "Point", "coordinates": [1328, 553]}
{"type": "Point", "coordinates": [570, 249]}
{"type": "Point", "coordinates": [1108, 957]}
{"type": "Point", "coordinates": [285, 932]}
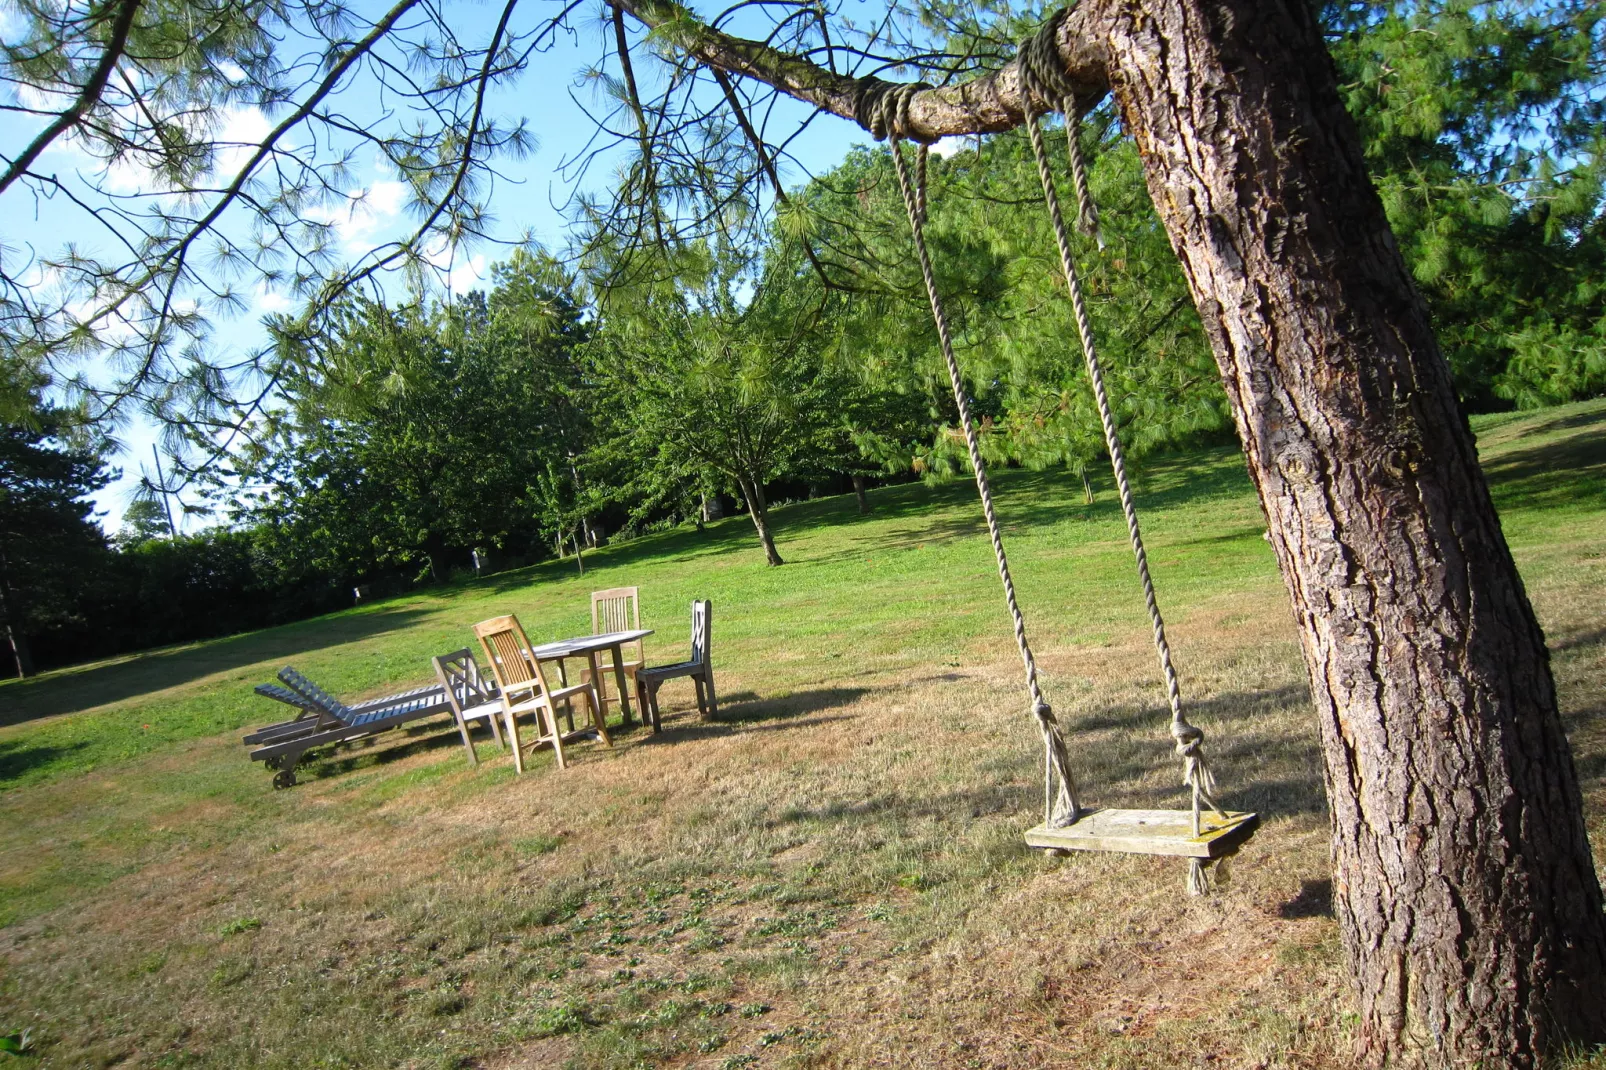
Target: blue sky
{"type": "Point", "coordinates": [550, 95]}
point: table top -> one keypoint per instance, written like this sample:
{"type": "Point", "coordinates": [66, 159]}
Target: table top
{"type": "Point", "coordinates": [587, 644]}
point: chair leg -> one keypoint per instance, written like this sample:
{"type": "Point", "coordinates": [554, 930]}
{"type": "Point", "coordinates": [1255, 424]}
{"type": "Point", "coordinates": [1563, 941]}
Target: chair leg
{"type": "Point", "coordinates": [556, 736]}
{"type": "Point", "coordinates": [496, 730]}
{"type": "Point", "coordinates": [597, 718]}
{"type": "Point", "coordinates": [468, 741]}
{"type": "Point", "coordinates": [513, 740]}
{"type": "Point", "coordinates": [702, 701]}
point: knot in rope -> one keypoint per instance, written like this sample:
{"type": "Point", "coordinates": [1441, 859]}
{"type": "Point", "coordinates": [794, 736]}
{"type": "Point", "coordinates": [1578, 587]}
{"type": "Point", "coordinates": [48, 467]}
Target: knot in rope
{"type": "Point", "coordinates": [1196, 772]}
{"type": "Point", "coordinates": [1042, 72]}
{"type": "Point", "coordinates": [882, 108]}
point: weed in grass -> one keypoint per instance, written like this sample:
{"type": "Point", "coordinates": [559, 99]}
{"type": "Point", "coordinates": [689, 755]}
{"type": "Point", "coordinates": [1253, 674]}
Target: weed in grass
{"type": "Point", "coordinates": [564, 1018]}
{"type": "Point", "coordinates": [537, 845]}
{"type": "Point", "coordinates": [240, 925]}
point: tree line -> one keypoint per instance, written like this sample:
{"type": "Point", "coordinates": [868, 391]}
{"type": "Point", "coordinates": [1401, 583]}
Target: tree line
{"type": "Point", "coordinates": [580, 399]}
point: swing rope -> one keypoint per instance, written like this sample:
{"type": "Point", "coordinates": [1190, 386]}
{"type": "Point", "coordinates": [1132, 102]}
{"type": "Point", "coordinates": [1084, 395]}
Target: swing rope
{"type": "Point", "coordinates": [888, 116]}
{"type": "Point", "coordinates": [884, 110]}
{"type": "Point", "coordinates": [1042, 78]}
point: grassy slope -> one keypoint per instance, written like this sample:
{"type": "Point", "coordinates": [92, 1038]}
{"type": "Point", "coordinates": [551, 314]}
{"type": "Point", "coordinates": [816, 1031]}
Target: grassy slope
{"type": "Point", "coordinates": [840, 848]}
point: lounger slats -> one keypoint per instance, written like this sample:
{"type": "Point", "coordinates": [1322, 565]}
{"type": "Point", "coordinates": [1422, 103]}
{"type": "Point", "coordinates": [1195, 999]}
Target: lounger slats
{"type": "Point", "coordinates": [326, 720]}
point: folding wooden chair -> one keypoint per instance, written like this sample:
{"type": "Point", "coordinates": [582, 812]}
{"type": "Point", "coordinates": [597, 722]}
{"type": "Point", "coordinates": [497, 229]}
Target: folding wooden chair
{"type": "Point", "coordinates": [524, 688]}
{"type": "Point", "coordinates": [470, 695]}
{"type": "Point", "coordinates": [700, 668]}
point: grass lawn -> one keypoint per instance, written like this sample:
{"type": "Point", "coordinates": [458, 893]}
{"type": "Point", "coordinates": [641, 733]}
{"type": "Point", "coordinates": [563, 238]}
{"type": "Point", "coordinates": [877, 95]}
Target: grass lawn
{"type": "Point", "coordinates": [829, 874]}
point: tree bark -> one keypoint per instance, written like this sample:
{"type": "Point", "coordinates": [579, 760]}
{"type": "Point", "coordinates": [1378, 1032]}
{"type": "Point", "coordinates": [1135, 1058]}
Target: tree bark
{"type": "Point", "coordinates": [858, 492]}
{"type": "Point", "coordinates": [21, 651]}
{"type": "Point", "coordinates": [1087, 486]}
{"type": "Point", "coordinates": [1464, 884]}
{"type": "Point", "coordinates": [758, 509]}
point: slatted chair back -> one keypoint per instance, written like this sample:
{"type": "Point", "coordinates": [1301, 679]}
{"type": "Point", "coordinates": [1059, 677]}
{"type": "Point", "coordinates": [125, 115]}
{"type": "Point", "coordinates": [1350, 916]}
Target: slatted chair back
{"type": "Point", "coordinates": [471, 696]}
{"type": "Point", "coordinates": [702, 624]}
{"type": "Point", "coordinates": [505, 644]}
{"type": "Point", "coordinates": [314, 694]}
{"type": "Point", "coordinates": [460, 673]}
{"type": "Point", "coordinates": [618, 609]}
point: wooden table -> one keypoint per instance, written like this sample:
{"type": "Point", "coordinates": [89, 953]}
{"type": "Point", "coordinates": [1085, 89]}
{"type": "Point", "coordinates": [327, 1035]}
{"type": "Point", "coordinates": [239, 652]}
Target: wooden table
{"type": "Point", "coordinates": [588, 647]}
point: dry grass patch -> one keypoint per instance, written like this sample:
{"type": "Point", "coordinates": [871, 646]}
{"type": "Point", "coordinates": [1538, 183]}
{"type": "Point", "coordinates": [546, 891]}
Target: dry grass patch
{"type": "Point", "coordinates": [828, 875]}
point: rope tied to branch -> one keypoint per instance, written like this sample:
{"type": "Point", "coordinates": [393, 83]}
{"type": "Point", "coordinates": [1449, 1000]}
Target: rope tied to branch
{"type": "Point", "coordinates": [1043, 76]}
{"type": "Point", "coordinates": [882, 108]}
{"type": "Point", "coordinates": [889, 114]}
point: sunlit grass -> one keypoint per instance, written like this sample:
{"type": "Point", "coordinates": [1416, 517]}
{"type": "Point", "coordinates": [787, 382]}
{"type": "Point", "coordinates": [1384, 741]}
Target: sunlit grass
{"type": "Point", "coordinates": [830, 874]}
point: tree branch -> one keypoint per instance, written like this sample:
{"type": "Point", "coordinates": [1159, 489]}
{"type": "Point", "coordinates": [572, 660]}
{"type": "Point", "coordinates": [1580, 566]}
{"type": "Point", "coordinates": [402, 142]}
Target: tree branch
{"type": "Point", "coordinates": [988, 104]}
{"type": "Point", "coordinates": [88, 96]}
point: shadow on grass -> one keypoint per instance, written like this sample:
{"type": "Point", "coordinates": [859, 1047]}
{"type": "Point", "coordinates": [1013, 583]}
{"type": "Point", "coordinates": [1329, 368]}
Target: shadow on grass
{"type": "Point", "coordinates": [423, 738]}
{"type": "Point", "coordinates": [1560, 473]}
{"type": "Point", "coordinates": [1035, 499]}
{"type": "Point", "coordinates": [141, 674]}
{"type": "Point", "coordinates": [1577, 641]}
{"type": "Point", "coordinates": [747, 712]}
{"type": "Point", "coordinates": [1315, 900]}
{"type": "Point", "coordinates": [17, 758]}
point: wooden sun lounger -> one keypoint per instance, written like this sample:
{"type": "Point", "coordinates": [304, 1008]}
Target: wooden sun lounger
{"type": "Point", "coordinates": [325, 720]}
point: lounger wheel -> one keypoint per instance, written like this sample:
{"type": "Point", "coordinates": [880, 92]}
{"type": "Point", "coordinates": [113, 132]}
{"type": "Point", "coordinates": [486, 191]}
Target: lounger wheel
{"type": "Point", "coordinates": [274, 762]}
{"type": "Point", "coordinates": [284, 778]}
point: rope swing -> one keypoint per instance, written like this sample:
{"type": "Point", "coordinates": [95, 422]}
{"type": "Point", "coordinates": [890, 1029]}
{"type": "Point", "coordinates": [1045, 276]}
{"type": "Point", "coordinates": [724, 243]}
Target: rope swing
{"type": "Point", "coordinates": [883, 109]}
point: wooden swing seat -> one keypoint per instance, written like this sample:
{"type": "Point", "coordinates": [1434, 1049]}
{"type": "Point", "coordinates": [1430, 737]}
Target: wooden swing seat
{"type": "Point", "coordinates": [1149, 832]}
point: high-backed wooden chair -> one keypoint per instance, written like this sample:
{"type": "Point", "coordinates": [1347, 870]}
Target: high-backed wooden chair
{"type": "Point", "coordinates": [700, 668]}
{"type": "Point", "coordinates": [524, 687]}
{"type": "Point", "coordinates": [470, 695]}
{"type": "Point", "coordinates": [617, 609]}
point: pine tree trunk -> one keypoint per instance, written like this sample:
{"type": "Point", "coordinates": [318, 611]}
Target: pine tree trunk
{"type": "Point", "coordinates": [21, 652]}
{"type": "Point", "coordinates": [858, 492]}
{"type": "Point", "coordinates": [1087, 487]}
{"type": "Point", "coordinates": [1464, 883]}
{"type": "Point", "coordinates": [758, 509]}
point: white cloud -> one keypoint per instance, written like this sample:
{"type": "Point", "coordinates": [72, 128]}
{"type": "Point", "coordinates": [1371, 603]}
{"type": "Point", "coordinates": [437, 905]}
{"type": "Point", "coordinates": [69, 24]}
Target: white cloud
{"type": "Point", "coordinates": [238, 134]}
{"type": "Point", "coordinates": [366, 213]}
{"type": "Point", "coordinates": [270, 301]}
{"type": "Point", "coordinates": [458, 271]}
{"type": "Point", "coordinates": [949, 146]}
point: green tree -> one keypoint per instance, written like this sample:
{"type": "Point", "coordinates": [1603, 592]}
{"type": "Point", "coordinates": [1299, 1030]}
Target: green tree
{"type": "Point", "coordinates": [415, 434]}
{"type": "Point", "coordinates": [703, 387]}
{"type": "Point", "coordinates": [144, 519]}
{"type": "Point", "coordinates": [51, 549]}
{"type": "Point", "coordinates": [1483, 128]}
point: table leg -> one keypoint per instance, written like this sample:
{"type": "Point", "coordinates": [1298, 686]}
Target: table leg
{"type": "Point", "coordinates": [598, 686]}
{"type": "Point", "coordinates": [619, 678]}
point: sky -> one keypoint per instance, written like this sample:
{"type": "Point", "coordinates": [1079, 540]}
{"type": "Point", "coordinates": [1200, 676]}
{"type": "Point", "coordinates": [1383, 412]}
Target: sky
{"type": "Point", "coordinates": [553, 95]}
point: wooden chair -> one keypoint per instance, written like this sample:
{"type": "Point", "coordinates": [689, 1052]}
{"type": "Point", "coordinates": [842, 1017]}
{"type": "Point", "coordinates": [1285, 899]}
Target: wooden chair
{"type": "Point", "coordinates": [524, 688]}
{"type": "Point", "coordinates": [700, 668]}
{"type": "Point", "coordinates": [617, 609]}
{"type": "Point", "coordinates": [470, 695]}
